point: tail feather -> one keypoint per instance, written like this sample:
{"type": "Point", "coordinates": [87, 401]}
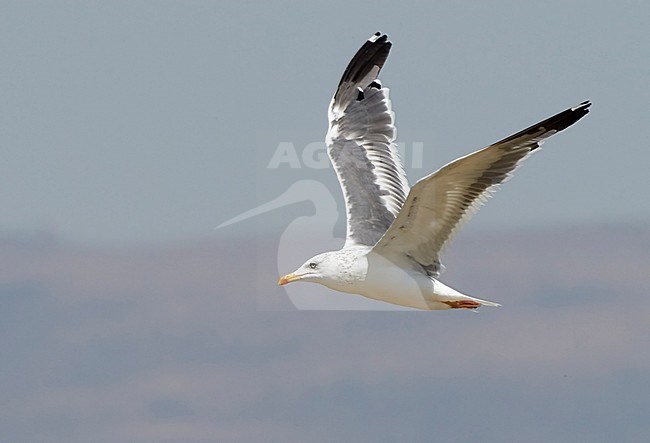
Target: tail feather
{"type": "Point", "coordinates": [486, 302]}
{"type": "Point", "coordinates": [446, 294]}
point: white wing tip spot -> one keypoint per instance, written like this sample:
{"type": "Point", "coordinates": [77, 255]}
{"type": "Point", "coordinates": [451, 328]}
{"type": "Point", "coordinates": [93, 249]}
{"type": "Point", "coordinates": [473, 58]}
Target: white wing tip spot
{"type": "Point", "coordinates": [584, 104]}
{"type": "Point", "coordinates": [374, 37]}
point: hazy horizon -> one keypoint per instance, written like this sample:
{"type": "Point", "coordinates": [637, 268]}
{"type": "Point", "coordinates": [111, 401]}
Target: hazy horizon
{"type": "Point", "coordinates": [176, 343]}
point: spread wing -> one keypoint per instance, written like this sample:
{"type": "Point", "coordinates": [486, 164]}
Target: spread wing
{"type": "Point", "coordinates": [438, 204]}
{"type": "Point", "coordinates": [361, 146]}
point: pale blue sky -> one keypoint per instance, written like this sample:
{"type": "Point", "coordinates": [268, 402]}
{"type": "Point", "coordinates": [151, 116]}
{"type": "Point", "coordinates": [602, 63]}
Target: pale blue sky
{"type": "Point", "coordinates": [129, 122]}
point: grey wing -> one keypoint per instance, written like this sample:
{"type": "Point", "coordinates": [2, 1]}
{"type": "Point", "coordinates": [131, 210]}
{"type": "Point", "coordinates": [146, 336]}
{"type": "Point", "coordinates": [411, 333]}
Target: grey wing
{"type": "Point", "coordinates": [438, 204]}
{"type": "Point", "coordinates": [361, 146]}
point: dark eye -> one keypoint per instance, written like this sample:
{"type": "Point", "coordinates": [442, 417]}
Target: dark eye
{"type": "Point", "coordinates": [312, 265]}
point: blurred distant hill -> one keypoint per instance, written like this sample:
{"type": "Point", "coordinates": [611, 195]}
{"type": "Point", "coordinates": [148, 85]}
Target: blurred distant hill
{"type": "Point", "coordinates": [525, 266]}
{"type": "Point", "coordinates": [168, 343]}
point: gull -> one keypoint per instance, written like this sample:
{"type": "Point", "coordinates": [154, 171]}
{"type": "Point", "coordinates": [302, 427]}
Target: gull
{"type": "Point", "coordinates": [396, 235]}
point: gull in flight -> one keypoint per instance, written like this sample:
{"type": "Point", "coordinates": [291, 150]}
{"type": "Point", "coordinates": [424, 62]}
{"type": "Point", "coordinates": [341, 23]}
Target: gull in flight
{"type": "Point", "coordinates": [396, 235]}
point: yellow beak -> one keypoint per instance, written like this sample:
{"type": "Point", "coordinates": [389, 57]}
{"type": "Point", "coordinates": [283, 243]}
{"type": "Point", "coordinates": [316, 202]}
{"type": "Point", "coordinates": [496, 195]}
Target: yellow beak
{"type": "Point", "coordinates": [288, 279]}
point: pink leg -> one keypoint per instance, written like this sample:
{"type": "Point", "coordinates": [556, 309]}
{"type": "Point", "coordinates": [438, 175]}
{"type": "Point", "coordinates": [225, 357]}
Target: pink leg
{"type": "Point", "coordinates": [462, 304]}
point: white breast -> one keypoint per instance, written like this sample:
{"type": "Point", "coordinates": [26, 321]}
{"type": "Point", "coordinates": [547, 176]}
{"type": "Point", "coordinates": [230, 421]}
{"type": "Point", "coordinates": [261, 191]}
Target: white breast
{"type": "Point", "coordinates": [386, 281]}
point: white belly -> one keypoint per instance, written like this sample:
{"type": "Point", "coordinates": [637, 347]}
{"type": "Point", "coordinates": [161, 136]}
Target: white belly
{"type": "Point", "coordinates": [376, 277]}
{"type": "Point", "coordinates": [388, 282]}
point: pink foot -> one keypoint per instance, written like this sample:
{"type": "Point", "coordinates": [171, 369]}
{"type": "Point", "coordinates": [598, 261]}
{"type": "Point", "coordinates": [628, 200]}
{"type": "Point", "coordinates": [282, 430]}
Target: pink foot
{"type": "Point", "coordinates": [462, 304]}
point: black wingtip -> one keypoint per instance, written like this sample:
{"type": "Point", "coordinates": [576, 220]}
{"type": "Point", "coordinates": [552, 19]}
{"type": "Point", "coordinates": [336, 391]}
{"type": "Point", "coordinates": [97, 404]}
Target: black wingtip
{"type": "Point", "coordinates": [565, 119]}
{"type": "Point", "coordinates": [557, 123]}
{"type": "Point", "coordinates": [374, 52]}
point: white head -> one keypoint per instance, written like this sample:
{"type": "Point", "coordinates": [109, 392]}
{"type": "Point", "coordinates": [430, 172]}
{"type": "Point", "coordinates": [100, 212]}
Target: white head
{"type": "Point", "coordinates": [328, 268]}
